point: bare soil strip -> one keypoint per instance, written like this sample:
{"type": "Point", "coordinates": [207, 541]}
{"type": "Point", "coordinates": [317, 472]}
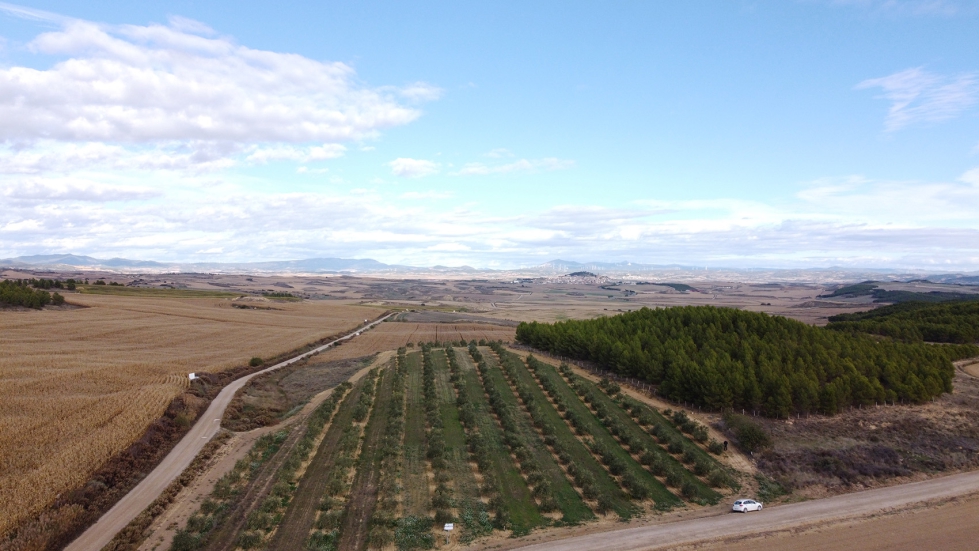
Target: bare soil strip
{"type": "Point", "coordinates": [415, 478]}
{"type": "Point", "coordinates": [783, 517]}
{"type": "Point", "coordinates": [301, 514]}
{"type": "Point", "coordinates": [363, 492]}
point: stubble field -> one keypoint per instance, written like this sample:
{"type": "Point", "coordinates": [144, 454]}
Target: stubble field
{"type": "Point", "coordinates": [81, 384]}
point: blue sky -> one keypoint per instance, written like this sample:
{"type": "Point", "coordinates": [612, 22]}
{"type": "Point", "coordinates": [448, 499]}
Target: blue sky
{"type": "Point", "coordinates": [743, 134]}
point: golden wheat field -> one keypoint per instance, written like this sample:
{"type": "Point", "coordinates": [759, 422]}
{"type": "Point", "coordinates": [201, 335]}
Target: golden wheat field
{"type": "Point", "coordinates": [80, 385]}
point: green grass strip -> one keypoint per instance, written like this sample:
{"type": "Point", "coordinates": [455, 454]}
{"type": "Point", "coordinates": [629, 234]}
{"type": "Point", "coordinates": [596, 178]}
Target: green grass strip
{"type": "Point", "coordinates": [572, 506]}
{"type": "Point", "coordinates": [473, 516]}
{"type": "Point", "coordinates": [414, 474]}
{"type": "Point", "coordinates": [630, 431]}
{"type": "Point", "coordinates": [598, 483]}
{"type": "Point", "coordinates": [511, 487]}
{"type": "Point", "coordinates": [635, 478]}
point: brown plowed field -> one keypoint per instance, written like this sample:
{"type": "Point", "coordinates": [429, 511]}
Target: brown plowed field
{"type": "Point", "coordinates": [391, 335]}
{"type": "Point", "coordinates": [301, 514]}
{"type": "Point", "coordinates": [81, 384]}
{"type": "Point", "coordinates": [363, 491]}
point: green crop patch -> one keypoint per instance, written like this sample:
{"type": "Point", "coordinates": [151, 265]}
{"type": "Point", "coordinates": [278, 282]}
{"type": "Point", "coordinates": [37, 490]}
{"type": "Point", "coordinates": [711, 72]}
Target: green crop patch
{"type": "Point", "coordinates": [588, 474]}
{"type": "Point", "coordinates": [551, 487]}
{"type": "Point", "coordinates": [640, 483]}
{"type": "Point", "coordinates": [620, 422]}
{"type": "Point", "coordinates": [512, 500]}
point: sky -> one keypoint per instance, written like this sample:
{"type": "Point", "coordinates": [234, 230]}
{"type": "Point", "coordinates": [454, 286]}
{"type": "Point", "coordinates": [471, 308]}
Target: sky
{"type": "Point", "coordinates": [778, 134]}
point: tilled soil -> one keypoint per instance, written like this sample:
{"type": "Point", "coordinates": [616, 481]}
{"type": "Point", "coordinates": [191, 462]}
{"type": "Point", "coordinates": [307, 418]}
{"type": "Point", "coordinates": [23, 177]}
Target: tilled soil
{"type": "Point", "coordinates": [363, 492]}
{"type": "Point", "coordinates": [299, 517]}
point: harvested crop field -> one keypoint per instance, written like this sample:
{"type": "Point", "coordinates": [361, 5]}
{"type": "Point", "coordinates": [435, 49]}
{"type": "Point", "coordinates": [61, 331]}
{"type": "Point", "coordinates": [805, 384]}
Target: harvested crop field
{"type": "Point", "coordinates": [81, 384]}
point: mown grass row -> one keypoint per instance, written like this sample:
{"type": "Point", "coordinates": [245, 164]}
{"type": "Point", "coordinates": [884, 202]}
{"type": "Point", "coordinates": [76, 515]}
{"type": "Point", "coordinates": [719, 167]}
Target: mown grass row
{"type": "Point", "coordinates": [325, 535]}
{"type": "Point", "coordinates": [640, 483]}
{"type": "Point", "coordinates": [214, 509]}
{"type": "Point", "coordinates": [421, 417]}
{"type": "Point", "coordinates": [550, 484]}
{"type": "Point", "coordinates": [472, 513]}
{"type": "Point", "coordinates": [596, 484]}
{"type": "Point", "coordinates": [510, 499]}
{"type": "Point", "coordinates": [384, 518]}
{"type": "Point", "coordinates": [655, 454]}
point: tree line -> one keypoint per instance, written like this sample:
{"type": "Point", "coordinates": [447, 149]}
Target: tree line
{"type": "Point", "coordinates": [725, 359]}
{"type": "Point", "coordinates": [947, 322]}
{"type": "Point", "coordinates": [23, 292]}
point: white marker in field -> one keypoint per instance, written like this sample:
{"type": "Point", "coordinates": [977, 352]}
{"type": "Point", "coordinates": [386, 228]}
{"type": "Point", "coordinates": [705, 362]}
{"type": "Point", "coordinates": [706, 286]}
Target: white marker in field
{"type": "Point", "coordinates": [192, 376]}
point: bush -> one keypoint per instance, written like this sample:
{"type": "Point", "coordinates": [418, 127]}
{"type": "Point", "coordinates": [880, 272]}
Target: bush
{"type": "Point", "coordinates": [256, 361]}
{"type": "Point", "coordinates": [715, 447]}
{"type": "Point", "coordinates": [750, 435]}
{"type": "Point", "coordinates": [717, 478]}
{"type": "Point", "coordinates": [415, 532]}
{"type": "Point", "coordinates": [689, 490]}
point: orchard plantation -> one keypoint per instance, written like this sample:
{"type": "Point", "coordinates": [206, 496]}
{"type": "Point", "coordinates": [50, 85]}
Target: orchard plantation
{"type": "Point", "coordinates": [726, 359]}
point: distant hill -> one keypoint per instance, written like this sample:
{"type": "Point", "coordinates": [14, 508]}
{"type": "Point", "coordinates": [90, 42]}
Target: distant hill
{"type": "Point", "coordinates": [688, 275]}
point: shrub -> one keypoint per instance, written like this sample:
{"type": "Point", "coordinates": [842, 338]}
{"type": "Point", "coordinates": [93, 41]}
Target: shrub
{"type": "Point", "coordinates": [255, 361]}
{"type": "Point", "coordinates": [700, 434]}
{"type": "Point", "coordinates": [717, 478]}
{"type": "Point", "coordinates": [750, 435]}
{"type": "Point", "coordinates": [689, 456]}
{"type": "Point", "coordinates": [715, 447]}
{"type": "Point", "coordinates": [689, 490]}
{"type": "Point", "coordinates": [673, 478]}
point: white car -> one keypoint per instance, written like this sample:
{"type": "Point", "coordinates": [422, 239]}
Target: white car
{"type": "Point", "coordinates": [745, 505]}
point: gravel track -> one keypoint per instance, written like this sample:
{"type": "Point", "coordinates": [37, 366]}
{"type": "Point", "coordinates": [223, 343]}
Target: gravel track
{"type": "Point", "coordinates": [859, 504]}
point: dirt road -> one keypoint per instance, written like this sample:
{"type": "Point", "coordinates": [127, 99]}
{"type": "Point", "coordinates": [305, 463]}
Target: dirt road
{"type": "Point", "coordinates": [776, 518]}
{"type": "Point", "coordinates": [100, 533]}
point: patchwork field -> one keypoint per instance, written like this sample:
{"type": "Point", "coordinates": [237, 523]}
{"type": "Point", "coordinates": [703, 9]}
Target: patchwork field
{"type": "Point", "coordinates": [81, 384]}
{"type": "Point", "coordinates": [477, 436]}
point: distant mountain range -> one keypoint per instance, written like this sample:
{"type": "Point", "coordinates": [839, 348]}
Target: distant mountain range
{"type": "Point", "coordinates": [366, 266]}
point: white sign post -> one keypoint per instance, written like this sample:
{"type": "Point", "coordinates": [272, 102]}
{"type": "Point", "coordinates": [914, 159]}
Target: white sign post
{"type": "Point", "coordinates": [448, 528]}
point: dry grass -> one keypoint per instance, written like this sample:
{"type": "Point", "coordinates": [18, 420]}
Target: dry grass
{"type": "Point", "coordinates": [80, 385]}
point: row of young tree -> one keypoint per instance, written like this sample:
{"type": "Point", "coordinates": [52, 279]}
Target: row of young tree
{"type": "Point", "coordinates": [947, 322]}
{"type": "Point", "coordinates": [20, 292]}
{"type": "Point", "coordinates": [725, 359]}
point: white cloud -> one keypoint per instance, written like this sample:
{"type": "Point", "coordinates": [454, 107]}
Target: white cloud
{"type": "Point", "coordinates": [917, 95]}
{"type": "Point", "coordinates": [498, 153]}
{"type": "Point", "coordinates": [833, 222]}
{"type": "Point", "coordinates": [291, 153]}
{"type": "Point", "coordinates": [523, 165]}
{"type": "Point", "coordinates": [127, 93]}
{"type": "Point", "coordinates": [413, 168]}
{"type": "Point", "coordinates": [421, 91]}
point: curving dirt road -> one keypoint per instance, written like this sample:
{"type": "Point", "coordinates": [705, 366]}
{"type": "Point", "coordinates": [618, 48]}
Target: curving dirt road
{"type": "Point", "coordinates": [776, 518]}
{"type": "Point", "coordinates": [120, 515]}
